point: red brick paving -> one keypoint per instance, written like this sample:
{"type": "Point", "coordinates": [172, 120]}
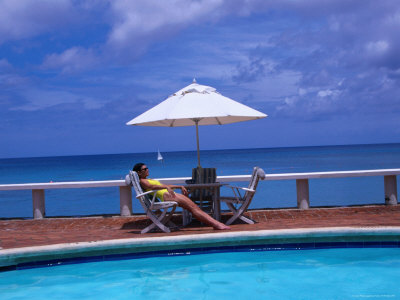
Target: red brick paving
{"type": "Point", "coordinates": [24, 233]}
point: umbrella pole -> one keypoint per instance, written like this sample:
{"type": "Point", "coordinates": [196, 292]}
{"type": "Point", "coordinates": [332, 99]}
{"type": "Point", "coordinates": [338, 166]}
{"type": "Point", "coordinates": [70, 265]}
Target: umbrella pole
{"type": "Point", "coordinates": [197, 137]}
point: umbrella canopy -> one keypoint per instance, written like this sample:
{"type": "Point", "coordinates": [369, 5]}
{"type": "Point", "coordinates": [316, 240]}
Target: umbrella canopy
{"type": "Point", "coordinates": [196, 105]}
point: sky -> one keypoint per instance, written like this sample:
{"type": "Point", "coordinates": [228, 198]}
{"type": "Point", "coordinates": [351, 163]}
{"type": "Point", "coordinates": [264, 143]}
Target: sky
{"type": "Point", "coordinates": [72, 73]}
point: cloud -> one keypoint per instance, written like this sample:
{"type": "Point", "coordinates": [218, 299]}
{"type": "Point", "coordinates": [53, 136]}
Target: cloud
{"type": "Point", "coordinates": [346, 56]}
{"type": "Point", "coordinates": [312, 104]}
{"type": "Point", "coordinates": [305, 46]}
{"type": "Point", "coordinates": [19, 92]}
{"type": "Point", "coordinates": [38, 99]}
{"type": "Point", "coordinates": [71, 60]}
{"type": "Point", "coordinates": [253, 69]}
{"type": "Point", "coordinates": [137, 24]}
{"type": "Point", "coordinates": [10, 81]}
{"type": "Point", "coordinates": [27, 18]}
{"type": "Point", "coordinates": [4, 65]}
{"type": "Point", "coordinates": [378, 47]}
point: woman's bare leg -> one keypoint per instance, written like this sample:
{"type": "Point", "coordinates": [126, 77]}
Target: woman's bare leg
{"type": "Point", "coordinates": [200, 215]}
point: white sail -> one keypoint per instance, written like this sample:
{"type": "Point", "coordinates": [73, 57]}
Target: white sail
{"type": "Point", "coordinates": [159, 156]}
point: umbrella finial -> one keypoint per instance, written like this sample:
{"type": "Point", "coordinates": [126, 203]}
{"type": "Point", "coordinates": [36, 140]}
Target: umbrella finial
{"type": "Point", "coordinates": [194, 80]}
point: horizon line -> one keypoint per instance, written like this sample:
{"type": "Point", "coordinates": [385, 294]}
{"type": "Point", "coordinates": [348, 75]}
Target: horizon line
{"type": "Point", "coordinates": [201, 150]}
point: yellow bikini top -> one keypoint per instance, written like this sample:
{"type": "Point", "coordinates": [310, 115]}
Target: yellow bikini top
{"type": "Point", "coordinates": [159, 193]}
{"type": "Point", "coordinates": [153, 181]}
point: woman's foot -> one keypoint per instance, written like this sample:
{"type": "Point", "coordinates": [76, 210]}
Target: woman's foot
{"type": "Point", "coordinates": [222, 227]}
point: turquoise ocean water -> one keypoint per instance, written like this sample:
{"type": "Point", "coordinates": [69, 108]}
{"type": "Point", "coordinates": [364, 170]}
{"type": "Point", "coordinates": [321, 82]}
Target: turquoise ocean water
{"type": "Point", "coordinates": [270, 194]}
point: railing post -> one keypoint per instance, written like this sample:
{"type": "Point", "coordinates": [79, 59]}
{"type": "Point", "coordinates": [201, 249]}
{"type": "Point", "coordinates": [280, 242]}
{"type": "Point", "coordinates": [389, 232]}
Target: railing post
{"type": "Point", "coordinates": [390, 190]}
{"type": "Point", "coordinates": [303, 197]}
{"type": "Point", "coordinates": [125, 200]}
{"type": "Point", "coordinates": [39, 209]}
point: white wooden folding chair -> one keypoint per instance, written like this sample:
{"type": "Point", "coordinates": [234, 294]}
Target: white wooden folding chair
{"type": "Point", "coordinates": [239, 203]}
{"type": "Point", "coordinates": [156, 210]}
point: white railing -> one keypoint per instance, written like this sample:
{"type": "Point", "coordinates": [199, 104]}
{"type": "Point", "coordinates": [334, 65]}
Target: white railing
{"type": "Point", "coordinates": [303, 199]}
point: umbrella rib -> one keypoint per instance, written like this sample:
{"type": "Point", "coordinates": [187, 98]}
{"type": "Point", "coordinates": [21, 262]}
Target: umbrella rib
{"type": "Point", "coordinates": [218, 121]}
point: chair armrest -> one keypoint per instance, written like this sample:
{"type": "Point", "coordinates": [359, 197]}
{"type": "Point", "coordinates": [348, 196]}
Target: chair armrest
{"type": "Point", "coordinates": [234, 186]}
{"type": "Point", "coordinates": [241, 188]}
{"type": "Point", "coordinates": [249, 190]}
{"type": "Point", "coordinates": [238, 197]}
{"type": "Point", "coordinates": [153, 200]}
{"type": "Point", "coordinates": [165, 204]}
{"type": "Point", "coordinates": [145, 193]}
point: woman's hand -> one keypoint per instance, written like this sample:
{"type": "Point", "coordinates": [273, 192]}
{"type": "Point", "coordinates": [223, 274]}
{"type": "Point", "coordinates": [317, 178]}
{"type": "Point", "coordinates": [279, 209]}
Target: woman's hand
{"type": "Point", "coordinates": [184, 191]}
{"type": "Point", "coordinates": [171, 191]}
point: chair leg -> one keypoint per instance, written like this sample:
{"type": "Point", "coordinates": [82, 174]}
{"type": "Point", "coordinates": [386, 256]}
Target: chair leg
{"type": "Point", "coordinates": [238, 214]}
{"type": "Point", "coordinates": [160, 220]}
{"type": "Point", "coordinates": [187, 217]}
{"type": "Point", "coordinates": [247, 220]}
{"type": "Point", "coordinates": [152, 226]}
{"type": "Point", "coordinates": [157, 221]}
{"type": "Point", "coordinates": [168, 216]}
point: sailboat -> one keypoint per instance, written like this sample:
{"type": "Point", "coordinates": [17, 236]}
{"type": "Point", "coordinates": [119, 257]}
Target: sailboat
{"type": "Point", "coordinates": [159, 156]}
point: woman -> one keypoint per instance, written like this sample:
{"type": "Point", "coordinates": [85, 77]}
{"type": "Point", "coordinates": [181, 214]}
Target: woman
{"type": "Point", "coordinates": [166, 193]}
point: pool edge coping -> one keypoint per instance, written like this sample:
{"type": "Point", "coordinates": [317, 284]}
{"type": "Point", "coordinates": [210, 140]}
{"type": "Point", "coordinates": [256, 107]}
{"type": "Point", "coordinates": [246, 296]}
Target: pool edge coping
{"type": "Point", "coordinates": [203, 238]}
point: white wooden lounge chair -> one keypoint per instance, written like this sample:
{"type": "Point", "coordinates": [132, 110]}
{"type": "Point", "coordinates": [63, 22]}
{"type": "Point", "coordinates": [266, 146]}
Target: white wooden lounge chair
{"type": "Point", "coordinates": [155, 209]}
{"type": "Point", "coordinates": [239, 203]}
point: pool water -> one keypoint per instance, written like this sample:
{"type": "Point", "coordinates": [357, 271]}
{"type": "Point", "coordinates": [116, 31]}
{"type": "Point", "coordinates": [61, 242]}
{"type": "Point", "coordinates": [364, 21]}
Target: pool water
{"type": "Point", "coordinates": [348, 273]}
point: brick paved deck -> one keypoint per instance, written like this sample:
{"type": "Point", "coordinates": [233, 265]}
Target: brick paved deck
{"type": "Point", "coordinates": [24, 233]}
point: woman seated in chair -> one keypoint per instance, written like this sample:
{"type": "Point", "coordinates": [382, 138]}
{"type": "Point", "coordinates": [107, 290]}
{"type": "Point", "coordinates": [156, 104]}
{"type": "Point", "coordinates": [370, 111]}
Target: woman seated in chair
{"type": "Point", "coordinates": [166, 193]}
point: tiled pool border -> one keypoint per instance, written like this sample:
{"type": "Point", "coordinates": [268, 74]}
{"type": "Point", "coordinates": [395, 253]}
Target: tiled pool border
{"type": "Point", "coordinates": [263, 240]}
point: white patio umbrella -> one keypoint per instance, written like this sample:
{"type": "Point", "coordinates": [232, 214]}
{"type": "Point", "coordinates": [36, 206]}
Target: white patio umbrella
{"type": "Point", "coordinates": [196, 105]}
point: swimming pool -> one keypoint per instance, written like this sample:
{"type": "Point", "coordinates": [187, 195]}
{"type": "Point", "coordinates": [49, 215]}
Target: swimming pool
{"type": "Point", "coordinates": [234, 261]}
{"type": "Point", "coordinates": [339, 273]}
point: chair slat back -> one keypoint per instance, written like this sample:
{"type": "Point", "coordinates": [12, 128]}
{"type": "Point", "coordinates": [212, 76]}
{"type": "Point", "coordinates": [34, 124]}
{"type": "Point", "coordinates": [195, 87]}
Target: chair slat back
{"type": "Point", "coordinates": [203, 175]}
{"type": "Point", "coordinates": [144, 200]}
{"type": "Point", "coordinates": [202, 197]}
{"type": "Point", "coordinates": [257, 174]}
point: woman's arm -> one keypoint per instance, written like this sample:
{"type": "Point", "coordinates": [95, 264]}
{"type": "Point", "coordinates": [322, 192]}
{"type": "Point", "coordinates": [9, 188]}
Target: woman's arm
{"type": "Point", "coordinates": [148, 186]}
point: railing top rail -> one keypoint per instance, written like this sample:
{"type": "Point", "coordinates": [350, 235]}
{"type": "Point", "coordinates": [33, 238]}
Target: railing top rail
{"type": "Point", "coordinates": [62, 185]}
{"type": "Point", "coordinates": [180, 180]}
{"type": "Point", "coordinates": [332, 174]}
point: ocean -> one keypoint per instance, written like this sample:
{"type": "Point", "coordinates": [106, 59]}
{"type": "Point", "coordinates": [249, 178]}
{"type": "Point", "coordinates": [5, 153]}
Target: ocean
{"type": "Point", "coordinates": [270, 194]}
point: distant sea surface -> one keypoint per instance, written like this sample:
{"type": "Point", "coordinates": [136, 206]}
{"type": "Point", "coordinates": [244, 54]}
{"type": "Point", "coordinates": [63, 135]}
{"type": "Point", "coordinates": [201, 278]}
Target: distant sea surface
{"type": "Point", "coordinates": [270, 194]}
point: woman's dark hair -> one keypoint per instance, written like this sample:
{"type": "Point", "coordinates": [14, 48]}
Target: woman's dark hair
{"type": "Point", "coordinates": [138, 167]}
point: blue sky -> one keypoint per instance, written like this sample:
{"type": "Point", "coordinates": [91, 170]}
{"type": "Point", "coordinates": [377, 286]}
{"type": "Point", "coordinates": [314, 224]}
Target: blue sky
{"type": "Point", "coordinates": [72, 73]}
